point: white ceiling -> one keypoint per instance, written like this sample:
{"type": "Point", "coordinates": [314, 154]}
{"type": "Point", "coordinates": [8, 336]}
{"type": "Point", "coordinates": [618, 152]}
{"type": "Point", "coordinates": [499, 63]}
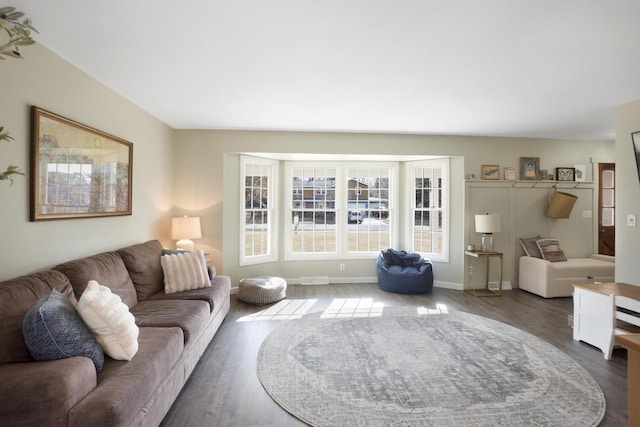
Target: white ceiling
{"type": "Point", "coordinates": [536, 68]}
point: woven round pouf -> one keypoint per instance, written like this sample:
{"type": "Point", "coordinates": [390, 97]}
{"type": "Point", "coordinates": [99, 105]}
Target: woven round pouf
{"type": "Point", "coordinates": [262, 290]}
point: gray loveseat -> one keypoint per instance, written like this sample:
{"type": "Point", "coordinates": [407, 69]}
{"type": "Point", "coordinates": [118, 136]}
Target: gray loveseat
{"type": "Point", "coordinates": [174, 331]}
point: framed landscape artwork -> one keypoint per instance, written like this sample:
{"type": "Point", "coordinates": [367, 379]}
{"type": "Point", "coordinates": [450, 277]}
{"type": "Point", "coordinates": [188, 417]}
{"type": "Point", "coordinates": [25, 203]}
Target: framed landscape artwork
{"type": "Point", "coordinates": [77, 171]}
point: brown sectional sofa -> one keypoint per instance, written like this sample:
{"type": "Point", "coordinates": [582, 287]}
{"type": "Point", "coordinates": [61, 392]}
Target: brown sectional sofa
{"type": "Point", "coordinates": [175, 330]}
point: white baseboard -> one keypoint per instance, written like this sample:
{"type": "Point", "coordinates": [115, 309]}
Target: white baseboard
{"type": "Point", "coordinates": [506, 285]}
{"type": "Point", "coordinates": [315, 280]}
{"type": "Point", "coordinates": [448, 285]}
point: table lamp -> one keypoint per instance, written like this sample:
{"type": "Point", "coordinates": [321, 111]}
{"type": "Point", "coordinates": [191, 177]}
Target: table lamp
{"type": "Point", "coordinates": [487, 224]}
{"type": "Point", "coordinates": [183, 229]}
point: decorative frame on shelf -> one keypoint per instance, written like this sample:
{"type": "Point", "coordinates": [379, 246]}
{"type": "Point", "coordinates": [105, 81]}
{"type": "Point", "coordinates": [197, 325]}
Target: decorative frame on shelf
{"type": "Point", "coordinates": [510, 173]}
{"type": "Point", "coordinates": [529, 168]}
{"type": "Point", "coordinates": [580, 173]}
{"type": "Point", "coordinates": [490, 172]}
{"type": "Point", "coordinates": [565, 174]}
{"type": "Point", "coordinates": [77, 171]}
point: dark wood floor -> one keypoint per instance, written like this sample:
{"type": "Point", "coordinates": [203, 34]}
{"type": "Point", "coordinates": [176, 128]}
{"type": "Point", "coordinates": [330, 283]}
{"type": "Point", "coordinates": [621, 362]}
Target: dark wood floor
{"type": "Point", "coordinates": [224, 389]}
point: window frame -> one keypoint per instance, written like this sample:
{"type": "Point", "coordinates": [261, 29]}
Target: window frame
{"type": "Point", "coordinates": [272, 211]}
{"type": "Point", "coordinates": [341, 208]}
{"type": "Point", "coordinates": [444, 164]}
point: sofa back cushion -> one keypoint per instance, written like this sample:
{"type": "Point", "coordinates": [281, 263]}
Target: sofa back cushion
{"type": "Point", "coordinates": [143, 263]}
{"type": "Point", "coordinates": [106, 268]}
{"type": "Point", "coordinates": [17, 296]}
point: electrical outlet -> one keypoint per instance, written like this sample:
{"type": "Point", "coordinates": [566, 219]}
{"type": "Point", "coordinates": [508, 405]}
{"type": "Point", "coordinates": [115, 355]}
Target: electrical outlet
{"type": "Point", "coordinates": [470, 270]}
{"type": "Point", "coordinates": [341, 267]}
{"type": "Point", "coordinates": [631, 220]}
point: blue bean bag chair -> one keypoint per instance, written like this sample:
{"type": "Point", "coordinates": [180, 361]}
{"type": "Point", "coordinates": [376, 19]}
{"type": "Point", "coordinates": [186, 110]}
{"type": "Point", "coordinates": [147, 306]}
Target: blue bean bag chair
{"type": "Point", "coordinates": [404, 273]}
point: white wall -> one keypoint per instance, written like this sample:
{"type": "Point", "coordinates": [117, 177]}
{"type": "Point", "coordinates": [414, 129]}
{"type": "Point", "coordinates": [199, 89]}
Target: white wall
{"type": "Point", "coordinates": [627, 195]}
{"type": "Point", "coordinates": [208, 168]}
{"type": "Point", "coordinates": [47, 81]}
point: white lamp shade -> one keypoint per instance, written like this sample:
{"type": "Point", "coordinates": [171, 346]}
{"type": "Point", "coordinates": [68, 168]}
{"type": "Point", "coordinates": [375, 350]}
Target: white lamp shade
{"type": "Point", "coordinates": [488, 223]}
{"type": "Point", "coordinates": [185, 227]}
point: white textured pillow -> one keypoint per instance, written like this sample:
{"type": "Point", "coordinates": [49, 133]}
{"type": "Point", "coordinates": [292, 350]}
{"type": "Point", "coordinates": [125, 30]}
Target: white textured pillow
{"type": "Point", "coordinates": [184, 271]}
{"type": "Point", "coordinates": [109, 320]}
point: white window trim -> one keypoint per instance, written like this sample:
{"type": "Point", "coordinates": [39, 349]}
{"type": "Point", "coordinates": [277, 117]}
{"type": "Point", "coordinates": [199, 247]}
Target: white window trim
{"type": "Point", "coordinates": [444, 164]}
{"type": "Point", "coordinates": [273, 212]}
{"type": "Point", "coordinates": [341, 191]}
{"type": "Point", "coordinates": [289, 255]}
{"type": "Point", "coordinates": [393, 204]}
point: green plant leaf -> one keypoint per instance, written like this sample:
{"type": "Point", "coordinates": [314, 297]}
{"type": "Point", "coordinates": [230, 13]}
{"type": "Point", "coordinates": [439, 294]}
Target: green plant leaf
{"type": "Point", "coordinates": [19, 34]}
{"type": "Point", "coordinates": [11, 53]}
{"type": "Point", "coordinates": [4, 136]}
{"type": "Point", "coordinates": [10, 172]}
{"type": "Point", "coordinates": [14, 16]}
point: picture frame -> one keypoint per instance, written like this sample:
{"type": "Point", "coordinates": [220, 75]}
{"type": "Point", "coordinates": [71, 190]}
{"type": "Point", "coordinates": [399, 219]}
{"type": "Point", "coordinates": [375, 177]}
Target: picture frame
{"type": "Point", "coordinates": [543, 174]}
{"type": "Point", "coordinates": [529, 168]}
{"type": "Point", "coordinates": [635, 139]}
{"type": "Point", "coordinates": [77, 171]}
{"type": "Point", "coordinates": [580, 173]}
{"type": "Point", "coordinates": [490, 172]}
{"type": "Point", "coordinates": [565, 174]}
{"type": "Point", "coordinates": [510, 173]}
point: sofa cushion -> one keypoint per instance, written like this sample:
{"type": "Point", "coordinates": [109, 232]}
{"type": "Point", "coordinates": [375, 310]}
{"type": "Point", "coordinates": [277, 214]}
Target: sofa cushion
{"type": "Point", "coordinates": [583, 268]}
{"type": "Point", "coordinates": [190, 316]}
{"type": "Point", "coordinates": [109, 320]}
{"type": "Point", "coordinates": [106, 268]}
{"type": "Point", "coordinates": [184, 271]}
{"type": "Point", "coordinates": [17, 296]}
{"type": "Point", "coordinates": [214, 295]}
{"type": "Point", "coordinates": [125, 386]}
{"type": "Point", "coordinates": [530, 247]}
{"type": "Point", "coordinates": [550, 250]}
{"type": "Point", "coordinates": [54, 330]}
{"type": "Point", "coordinates": [143, 263]}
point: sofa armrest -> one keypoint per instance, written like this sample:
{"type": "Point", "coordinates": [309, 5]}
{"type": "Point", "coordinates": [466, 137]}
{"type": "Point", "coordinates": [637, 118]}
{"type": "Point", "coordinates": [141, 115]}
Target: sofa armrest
{"type": "Point", "coordinates": [43, 393]}
{"type": "Point", "coordinates": [534, 274]}
{"type": "Point", "coordinates": [601, 257]}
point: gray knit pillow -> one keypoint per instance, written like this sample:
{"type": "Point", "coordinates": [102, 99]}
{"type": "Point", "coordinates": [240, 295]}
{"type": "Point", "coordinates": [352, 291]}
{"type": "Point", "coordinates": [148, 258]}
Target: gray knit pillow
{"type": "Point", "coordinates": [530, 247]}
{"type": "Point", "coordinates": [53, 330]}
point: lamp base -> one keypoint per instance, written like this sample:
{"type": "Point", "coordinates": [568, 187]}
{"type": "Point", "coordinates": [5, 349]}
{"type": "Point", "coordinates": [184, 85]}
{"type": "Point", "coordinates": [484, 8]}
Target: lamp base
{"type": "Point", "coordinates": [487, 242]}
{"type": "Point", "coordinates": [185, 245]}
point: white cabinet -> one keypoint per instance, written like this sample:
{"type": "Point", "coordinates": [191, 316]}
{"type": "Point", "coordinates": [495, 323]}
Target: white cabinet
{"type": "Point", "coordinates": [600, 311]}
{"type": "Point", "coordinates": [593, 318]}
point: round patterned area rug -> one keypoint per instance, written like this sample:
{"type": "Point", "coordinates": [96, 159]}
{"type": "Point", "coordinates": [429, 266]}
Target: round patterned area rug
{"type": "Point", "coordinates": [405, 367]}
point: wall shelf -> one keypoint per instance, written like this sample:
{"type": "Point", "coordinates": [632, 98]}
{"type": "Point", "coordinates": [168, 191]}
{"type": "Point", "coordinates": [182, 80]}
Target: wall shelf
{"type": "Point", "coordinates": [530, 184]}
